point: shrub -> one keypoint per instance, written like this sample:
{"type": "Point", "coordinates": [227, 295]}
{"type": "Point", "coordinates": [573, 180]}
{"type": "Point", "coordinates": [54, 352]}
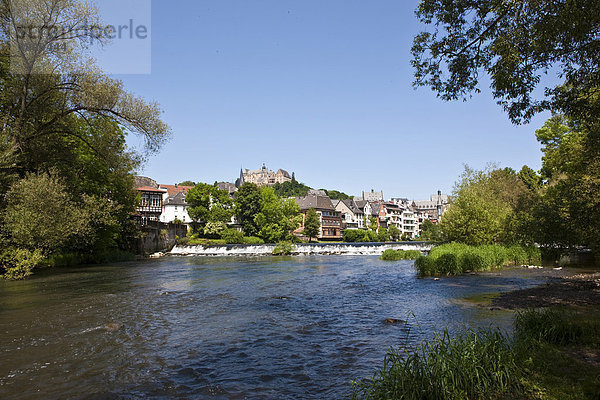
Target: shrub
{"type": "Point", "coordinates": [412, 254]}
{"type": "Point", "coordinates": [19, 263]}
{"type": "Point", "coordinates": [354, 235]}
{"type": "Point", "coordinates": [284, 249]}
{"type": "Point", "coordinates": [517, 255]}
{"type": "Point", "coordinates": [232, 236]}
{"type": "Point", "coordinates": [473, 261]}
{"type": "Point", "coordinates": [395, 255]}
{"type": "Point", "coordinates": [425, 266]}
{"type": "Point", "coordinates": [253, 240]}
{"type": "Point", "coordinates": [447, 264]}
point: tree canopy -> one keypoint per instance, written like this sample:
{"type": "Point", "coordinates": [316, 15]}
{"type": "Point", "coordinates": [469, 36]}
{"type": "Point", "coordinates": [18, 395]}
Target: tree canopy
{"type": "Point", "coordinates": [312, 224]}
{"type": "Point", "coordinates": [515, 43]}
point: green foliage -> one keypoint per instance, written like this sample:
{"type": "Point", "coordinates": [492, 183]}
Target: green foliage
{"type": "Point", "coordinates": [232, 236]}
{"type": "Point", "coordinates": [485, 204]}
{"type": "Point", "coordinates": [17, 264]}
{"type": "Point", "coordinates": [312, 224]}
{"type": "Point", "coordinates": [515, 44]}
{"type": "Point", "coordinates": [432, 232]}
{"type": "Point", "coordinates": [277, 218]}
{"type": "Point", "coordinates": [370, 236]}
{"type": "Point", "coordinates": [247, 206]}
{"type": "Point", "coordinates": [291, 189]}
{"type": "Point", "coordinates": [530, 178]}
{"type": "Point", "coordinates": [209, 204]}
{"type": "Point", "coordinates": [253, 240]}
{"type": "Point", "coordinates": [396, 255]}
{"type": "Point", "coordinates": [458, 258]}
{"type": "Point", "coordinates": [284, 249]}
{"type": "Point", "coordinates": [539, 363]}
{"type": "Point", "coordinates": [471, 365]}
{"type": "Point", "coordinates": [336, 195]}
{"type": "Point", "coordinates": [556, 326]}
{"type": "Point", "coordinates": [353, 235]}
{"type": "Point", "coordinates": [383, 235]}
{"type": "Point", "coordinates": [395, 233]}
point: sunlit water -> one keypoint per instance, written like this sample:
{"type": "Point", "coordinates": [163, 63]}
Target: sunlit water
{"type": "Point", "coordinates": [228, 328]}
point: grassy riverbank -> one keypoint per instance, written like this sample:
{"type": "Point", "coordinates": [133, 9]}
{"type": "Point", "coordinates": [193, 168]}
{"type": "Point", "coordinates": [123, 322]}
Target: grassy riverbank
{"type": "Point", "coordinates": [554, 354]}
{"type": "Point", "coordinates": [457, 258]}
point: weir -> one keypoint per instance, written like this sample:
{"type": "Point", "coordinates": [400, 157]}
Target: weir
{"type": "Point", "coordinates": [366, 249]}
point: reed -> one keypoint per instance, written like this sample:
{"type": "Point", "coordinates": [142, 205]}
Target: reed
{"type": "Point", "coordinates": [458, 258]}
{"type": "Point", "coordinates": [396, 255]}
{"type": "Point", "coordinates": [472, 365]}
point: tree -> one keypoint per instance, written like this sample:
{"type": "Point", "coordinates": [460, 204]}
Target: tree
{"type": "Point", "coordinates": [383, 234]}
{"type": "Point", "coordinates": [516, 43]}
{"type": "Point", "coordinates": [210, 207]}
{"type": "Point", "coordinates": [483, 207]}
{"type": "Point", "coordinates": [530, 178]}
{"type": "Point", "coordinates": [394, 232]}
{"type": "Point", "coordinates": [41, 215]}
{"type": "Point", "coordinates": [277, 218]}
{"type": "Point", "coordinates": [291, 189]}
{"type": "Point", "coordinates": [247, 206]}
{"type": "Point", "coordinates": [336, 195]}
{"type": "Point", "coordinates": [432, 232]}
{"type": "Point", "coordinates": [312, 224]}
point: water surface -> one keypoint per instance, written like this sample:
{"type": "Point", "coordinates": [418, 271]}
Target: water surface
{"type": "Point", "coordinates": [224, 328]}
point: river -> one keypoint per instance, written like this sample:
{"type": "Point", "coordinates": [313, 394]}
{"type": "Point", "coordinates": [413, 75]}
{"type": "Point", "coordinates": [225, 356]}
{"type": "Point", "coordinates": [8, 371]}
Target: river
{"type": "Point", "coordinates": [224, 328]}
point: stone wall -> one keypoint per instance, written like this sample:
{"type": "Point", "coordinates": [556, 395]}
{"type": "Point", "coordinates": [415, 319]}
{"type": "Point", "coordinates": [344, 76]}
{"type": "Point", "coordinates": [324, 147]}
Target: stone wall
{"type": "Point", "coordinates": [159, 237]}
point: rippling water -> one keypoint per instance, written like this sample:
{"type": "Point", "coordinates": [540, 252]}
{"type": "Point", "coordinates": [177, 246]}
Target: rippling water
{"type": "Point", "coordinates": [243, 328]}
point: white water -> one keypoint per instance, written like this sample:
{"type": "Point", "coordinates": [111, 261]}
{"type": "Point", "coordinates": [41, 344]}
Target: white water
{"type": "Point", "coordinates": [371, 249]}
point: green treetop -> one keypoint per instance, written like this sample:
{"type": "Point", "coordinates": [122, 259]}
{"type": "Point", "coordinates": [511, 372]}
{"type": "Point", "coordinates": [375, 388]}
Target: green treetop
{"type": "Point", "coordinates": [312, 224]}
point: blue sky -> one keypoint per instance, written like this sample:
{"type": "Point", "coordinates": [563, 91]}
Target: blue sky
{"type": "Point", "coordinates": [320, 88]}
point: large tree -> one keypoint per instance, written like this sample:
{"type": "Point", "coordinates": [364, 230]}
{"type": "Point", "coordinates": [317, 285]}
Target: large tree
{"type": "Point", "coordinates": [516, 43]}
{"type": "Point", "coordinates": [247, 206]}
{"type": "Point", "coordinates": [312, 224]}
{"type": "Point", "coordinates": [278, 218]}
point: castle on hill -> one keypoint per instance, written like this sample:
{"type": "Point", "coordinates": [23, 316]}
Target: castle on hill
{"type": "Point", "coordinates": [263, 177]}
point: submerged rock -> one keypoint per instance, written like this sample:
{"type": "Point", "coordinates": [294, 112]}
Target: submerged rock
{"type": "Point", "coordinates": [393, 321]}
{"type": "Point", "coordinates": [112, 327]}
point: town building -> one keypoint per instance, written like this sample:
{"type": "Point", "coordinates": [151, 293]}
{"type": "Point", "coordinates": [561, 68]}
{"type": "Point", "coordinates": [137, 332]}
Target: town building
{"type": "Point", "coordinates": [263, 177]}
{"type": "Point", "coordinates": [433, 208]}
{"type": "Point", "coordinates": [175, 209]}
{"type": "Point", "coordinates": [330, 218]}
{"type": "Point", "coordinates": [228, 187]}
{"type": "Point", "coordinates": [352, 216]}
{"type": "Point", "coordinates": [372, 195]}
{"type": "Point", "coordinates": [150, 207]}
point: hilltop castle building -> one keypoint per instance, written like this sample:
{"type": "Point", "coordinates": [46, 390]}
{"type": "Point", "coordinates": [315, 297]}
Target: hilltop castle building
{"type": "Point", "coordinates": [263, 177]}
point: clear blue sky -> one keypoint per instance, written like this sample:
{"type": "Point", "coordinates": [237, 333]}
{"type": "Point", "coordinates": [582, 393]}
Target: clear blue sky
{"type": "Point", "coordinates": [320, 88]}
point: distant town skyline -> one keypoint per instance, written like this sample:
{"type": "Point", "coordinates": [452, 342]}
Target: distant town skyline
{"type": "Point", "coordinates": [322, 89]}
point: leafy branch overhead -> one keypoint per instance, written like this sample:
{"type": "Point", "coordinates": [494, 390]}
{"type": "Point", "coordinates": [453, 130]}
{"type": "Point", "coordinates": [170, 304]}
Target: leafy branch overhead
{"type": "Point", "coordinates": [516, 43]}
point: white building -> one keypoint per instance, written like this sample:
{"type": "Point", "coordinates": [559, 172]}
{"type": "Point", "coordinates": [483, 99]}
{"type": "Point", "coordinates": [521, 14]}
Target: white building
{"type": "Point", "coordinates": [175, 208]}
{"type": "Point", "coordinates": [352, 216]}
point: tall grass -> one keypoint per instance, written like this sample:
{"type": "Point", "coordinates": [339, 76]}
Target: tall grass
{"type": "Point", "coordinates": [396, 255]}
{"type": "Point", "coordinates": [472, 365]}
{"type": "Point", "coordinates": [488, 364]}
{"type": "Point", "coordinates": [458, 258]}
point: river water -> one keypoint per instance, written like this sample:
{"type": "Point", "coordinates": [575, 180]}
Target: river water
{"type": "Point", "coordinates": [224, 328]}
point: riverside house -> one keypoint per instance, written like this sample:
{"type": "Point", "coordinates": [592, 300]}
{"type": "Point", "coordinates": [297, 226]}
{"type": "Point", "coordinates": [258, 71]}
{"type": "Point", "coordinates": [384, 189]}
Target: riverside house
{"type": "Point", "coordinates": [352, 216]}
{"type": "Point", "coordinates": [331, 219]}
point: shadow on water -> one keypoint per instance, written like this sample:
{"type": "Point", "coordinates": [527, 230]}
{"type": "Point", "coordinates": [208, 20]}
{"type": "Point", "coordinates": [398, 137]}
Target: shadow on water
{"type": "Point", "coordinates": [255, 328]}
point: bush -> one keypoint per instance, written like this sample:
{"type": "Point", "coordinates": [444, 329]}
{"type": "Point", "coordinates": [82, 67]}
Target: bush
{"type": "Point", "coordinates": [395, 255]}
{"type": "Point", "coordinates": [18, 264]}
{"type": "Point", "coordinates": [517, 255]}
{"type": "Point", "coordinates": [447, 264]}
{"type": "Point", "coordinates": [253, 240]}
{"type": "Point", "coordinates": [425, 266]}
{"type": "Point", "coordinates": [232, 236]}
{"type": "Point", "coordinates": [353, 235]}
{"type": "Point", "coordinates": [284, 249]}
{"type": "Point", "coordinates": [456, 258]}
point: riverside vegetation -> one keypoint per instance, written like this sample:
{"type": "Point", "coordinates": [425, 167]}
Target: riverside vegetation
{"type": "Point", "coordinates": [396, 255]}
{"type": "Point", "coordinates": [458, 258]}
{"type": "Point", "coordinates": [540, 361]}
{"type": "Point", "coordinates": [66, 173]}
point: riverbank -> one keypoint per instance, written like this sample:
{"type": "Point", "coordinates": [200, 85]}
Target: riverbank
{"type": "Point", "coordinates": [554, 352]}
